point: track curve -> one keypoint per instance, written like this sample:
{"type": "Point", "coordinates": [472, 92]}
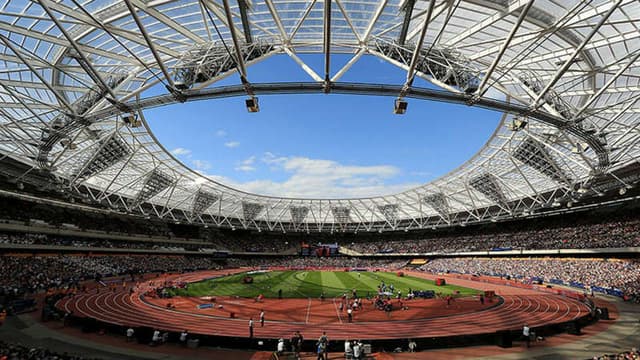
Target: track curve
{"type": "Point", "coordinates": [519, 306]}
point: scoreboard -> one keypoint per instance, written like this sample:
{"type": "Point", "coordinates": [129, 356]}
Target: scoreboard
{"type": "Point", "coordinates": [319, 250]}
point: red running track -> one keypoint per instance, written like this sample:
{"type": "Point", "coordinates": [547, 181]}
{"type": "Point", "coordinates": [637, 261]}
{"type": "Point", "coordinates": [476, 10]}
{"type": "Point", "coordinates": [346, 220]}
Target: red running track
{"type": "Point", "coordinates": [519, 306]}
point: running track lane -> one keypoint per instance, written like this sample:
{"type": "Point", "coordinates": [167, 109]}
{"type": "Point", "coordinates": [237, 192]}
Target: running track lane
{"type": "Point", "coordinates": [519, 306]}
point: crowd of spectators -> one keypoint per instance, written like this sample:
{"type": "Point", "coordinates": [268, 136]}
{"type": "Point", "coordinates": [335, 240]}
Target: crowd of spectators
{"type": "Point", "coordinates": [29, 274]}
{"type": "Point", "coordinates": [623, 275]}
{"type": "Point", "coordinates": [10, 351]}
{"type": "Point", "coordinates": [76, 242]}
{"type": "Point", "coordinates": [587, 232]}
{"type": "Point", "coordinates": [256, 242]}
{"type": "Point", "coordinates": [48, 216]}
{"type": "Point", "coordinates": [634, 354]}
{"type": "Point", "coordinates": [240, 244]}
{"type": "Point", "coordinates": [329, 262]}
{"type": "Point", "coordinates": [32, 213]}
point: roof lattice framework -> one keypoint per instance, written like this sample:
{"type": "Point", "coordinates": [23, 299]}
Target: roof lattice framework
{"type": "Point", "coordinates": [73, 74]}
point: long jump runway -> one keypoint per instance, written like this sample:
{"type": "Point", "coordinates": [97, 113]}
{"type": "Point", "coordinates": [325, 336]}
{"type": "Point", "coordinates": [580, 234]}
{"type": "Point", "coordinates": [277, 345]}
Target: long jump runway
{"type": "Point", "coordinates": [425, 318]}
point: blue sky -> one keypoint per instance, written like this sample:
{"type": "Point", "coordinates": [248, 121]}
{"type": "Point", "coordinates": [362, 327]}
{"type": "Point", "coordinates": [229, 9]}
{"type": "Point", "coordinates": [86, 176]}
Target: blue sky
{"type": "Point", "coordinates": [320, 145]}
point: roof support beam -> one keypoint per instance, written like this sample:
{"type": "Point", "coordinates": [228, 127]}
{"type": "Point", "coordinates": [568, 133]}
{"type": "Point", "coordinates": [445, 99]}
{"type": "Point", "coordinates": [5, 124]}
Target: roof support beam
{"type": "Point", "coordinates": [569, 62]}
{"type": "Point", "coordinates": [276, 18]}
{"type": "Point", "coordinates": [167, 20]}
{"type": "Point", "coordinates": [327, 45]}
{"type": "Point", "coordinates": [94, 74]}
{"type": "Point", "coordinates": [150, 44]}
{"type": "Point", "coordinates": [416, 52]}
{"type": "Point", "coordinates": [408, 9]}
{"type": "Point", "coordinates": [374, 19]}
{"type": "Point", "coordinates": [523, 14]}
{"type": "Point", "coordinates": [302, 64]}
{"type": "Point", "coordinates": [203, 12]}
{"type": "Point", "coordinates": [348, 65]}
{"type": "Point", "coordinates": [246, 26]}
{"type": "Point", "coordinates": [613, 79]}
{"type": "Point", "coordinates": [89, 19]}
{"type": "Point", "coordinates": [58, 41]}
{"type": "Point", "coordinates": [489, 21]}
{"type": "Point", "coordinates": [55, 92]}
{"type": "Point", "coordinates": [347, 18]}
{"type": "Point", "coordinates": [240, 58]}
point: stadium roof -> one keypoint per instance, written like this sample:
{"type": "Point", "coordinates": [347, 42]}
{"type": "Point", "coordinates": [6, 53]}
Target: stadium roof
{"type": "Point", "coordinates": [73, 75]}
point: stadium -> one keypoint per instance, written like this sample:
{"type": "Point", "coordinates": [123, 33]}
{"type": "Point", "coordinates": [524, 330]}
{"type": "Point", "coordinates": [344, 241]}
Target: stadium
{"type": "Point", "coordinates": [119, 242]}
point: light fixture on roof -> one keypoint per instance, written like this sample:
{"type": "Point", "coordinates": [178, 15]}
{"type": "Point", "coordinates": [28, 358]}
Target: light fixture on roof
{"type": "Point", "coordinates": [555, 203]}
{"type": "Point", "coordinates": [580, 148]}
{"type": "Point", "coordinates": [562, 62]}
{"type": "Point", "coordinates": [131, 120]}
{"type": "Point", "coordinates": [67, 143]}
{"type": "Point", "coordinates": [400, 107]}
{"type": "Point", "coordinates": [517, 124]}
{"type": "Point", "coordinates": [252, 104]}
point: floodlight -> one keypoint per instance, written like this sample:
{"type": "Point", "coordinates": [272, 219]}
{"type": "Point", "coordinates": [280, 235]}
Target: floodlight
{"type": "Point", "coordinates": [517, 124]}
{"type": "Point", "coordinates": [68, 144]}
{"type": "Point", "coordinates": [131, 120]}
{"type": "Point", "coordinates": [400, 107]}
{"type": "Point", "coordinates": [580, 148]}
{"type": "Point", "coordinates": [252, 104]}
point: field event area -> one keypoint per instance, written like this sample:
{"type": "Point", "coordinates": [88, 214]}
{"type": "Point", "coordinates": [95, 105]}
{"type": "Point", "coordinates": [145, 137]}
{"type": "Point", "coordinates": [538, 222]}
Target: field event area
{"type": "Point", "coordinates": [314, 284]}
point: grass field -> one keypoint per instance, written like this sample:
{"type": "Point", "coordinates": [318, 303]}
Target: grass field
{"type": "Point", "coordinates": [304, 284]}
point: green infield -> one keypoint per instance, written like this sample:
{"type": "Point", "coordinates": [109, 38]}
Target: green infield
{"type": "Point", "coordinates": [305, 284]}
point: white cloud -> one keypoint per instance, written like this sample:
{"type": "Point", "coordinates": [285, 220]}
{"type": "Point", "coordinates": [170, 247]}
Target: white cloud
{"type": "Point", "coordinates": [221, 133]}
{"type": "Point", "coordinates": [180, 152]}
{"type": "Point", "coordinates": [201, 165]}
{"type": "Point", "coordinates": [232, 144]}
{"type": "Point", "coordinates": [246, 165]}
{"type": "Point", "coordinates": [245, 168]}
{"type": "Point", "coordinates": [319, 178]}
